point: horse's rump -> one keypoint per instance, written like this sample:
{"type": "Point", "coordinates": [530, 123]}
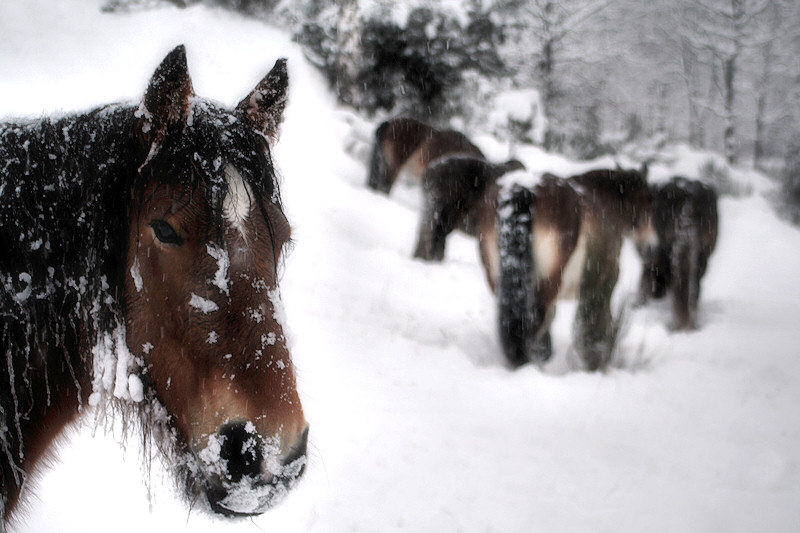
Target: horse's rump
{"type": "Point", "coordinates": [407, 144]}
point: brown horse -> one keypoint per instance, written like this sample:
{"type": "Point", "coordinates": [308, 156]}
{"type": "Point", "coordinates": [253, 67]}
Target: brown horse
{"type": "Point", "coordinates": [562, 238]}
{"type": "Point", "coordinates": [138, 275]}
{"type": "Point", "coordinates": [686, 219]}
{"type": "Point", "coordinates": [406, 144]}
{"type": "Point", "coordinates": [461, 192]}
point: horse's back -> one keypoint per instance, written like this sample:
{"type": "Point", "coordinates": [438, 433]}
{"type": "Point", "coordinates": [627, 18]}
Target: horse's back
{"type": "Point", "coordinates": [400, 137]}
{"type": "Point", "coordinates": [687, 204]}
{"type": "Point", "coordinates": [449, 142]}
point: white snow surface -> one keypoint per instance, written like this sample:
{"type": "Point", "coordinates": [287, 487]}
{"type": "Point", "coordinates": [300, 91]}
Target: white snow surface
{"type": "Point", "coordinates": [416, 423]}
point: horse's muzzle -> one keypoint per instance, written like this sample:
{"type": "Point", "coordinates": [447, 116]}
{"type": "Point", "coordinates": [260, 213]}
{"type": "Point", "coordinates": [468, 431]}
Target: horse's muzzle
{"type": "Point", "coordinates": [251, 475]}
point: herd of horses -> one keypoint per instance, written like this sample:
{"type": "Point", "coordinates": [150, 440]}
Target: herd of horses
{"type": "Point", "coordinates": [560, 238]}
{"type": "Point", "coordinates": [139, 257]}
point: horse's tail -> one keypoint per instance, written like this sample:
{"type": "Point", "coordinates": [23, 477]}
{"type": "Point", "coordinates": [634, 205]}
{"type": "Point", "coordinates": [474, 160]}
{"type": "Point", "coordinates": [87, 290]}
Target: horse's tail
{"type": "Point", "coordinates": [379, 178]}
{"type": "Point", "coordinates": [515, 285]}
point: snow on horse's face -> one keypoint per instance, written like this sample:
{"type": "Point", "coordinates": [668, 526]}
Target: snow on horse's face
{"type": "Point", "coordinates": [202, 304]}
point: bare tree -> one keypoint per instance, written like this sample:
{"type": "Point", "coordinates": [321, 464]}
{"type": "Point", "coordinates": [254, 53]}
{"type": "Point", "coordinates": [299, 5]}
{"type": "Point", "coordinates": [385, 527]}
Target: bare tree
{"type": "Point", "coordinates": [551, 28]}
{"type": "Point", "coordinates": [725, 30]}
{"type": "Point", "coordinates": [775, 82]}
{"type": "Point", "coordinates": [348, 35]}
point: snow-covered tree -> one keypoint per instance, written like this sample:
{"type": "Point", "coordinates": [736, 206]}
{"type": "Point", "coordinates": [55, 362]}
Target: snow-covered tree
{"type": "Point", "coordinates": [558, 46]}
{"type": "Point", "coordinates": [403, 58]}
{"type": "Point", "coordinates": [726, 30]}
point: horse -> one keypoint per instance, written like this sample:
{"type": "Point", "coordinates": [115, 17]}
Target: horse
{"type": "Point", "coordinates": [406, 144]}
{"type": "Point", "coordinates": [686, 219]}
{"type": "Point", "coordinates": [461, 192]}
{"type": "Point", "coordinates": [562, 239]}
{"type": "Point", "coordinates": [141, 247]}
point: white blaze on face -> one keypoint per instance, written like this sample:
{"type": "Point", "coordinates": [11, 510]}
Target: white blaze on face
{"type": "Point", "coordinates": [236, 207]}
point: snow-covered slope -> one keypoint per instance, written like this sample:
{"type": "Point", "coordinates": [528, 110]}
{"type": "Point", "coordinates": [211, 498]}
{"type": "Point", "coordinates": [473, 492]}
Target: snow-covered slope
{"type": "Point", "coordinates": [416, 423]}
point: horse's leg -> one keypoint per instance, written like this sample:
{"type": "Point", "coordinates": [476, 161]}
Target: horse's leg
{"type": "Point", "coordinates": [485, 224]}
{"type": "Point", "coordinates": [453, 189]}
{"type": "Point", "coordinates": [488, 248]}
{"type": "Point", "coordinates": [655, 276]}
{"type": "Point", "coordinates": [430, 235]}
{"type": "Point", "coordinates": [440, 215]}
{"type": "Point", "coordinates": [684, 263]}
{"type": "Point", "coordinates": [646, 283]}
{"type": "Point", "coordinates": [697, 268]}
{"type": "Point", "coordinates": [594, 323]}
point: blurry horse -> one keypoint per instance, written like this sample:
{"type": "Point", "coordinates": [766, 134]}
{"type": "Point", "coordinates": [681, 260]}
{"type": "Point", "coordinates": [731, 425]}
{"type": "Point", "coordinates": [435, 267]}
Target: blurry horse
{"type": "Point", "coordinates": [562, 238]}
{"type": "Point", "coordinates": [406, 144]}
{"type": "Point", "coordinates": [461, 192]}
{"type": "Point", "coordinates": [686, 219]}
{"type": "Point", "coordinates": [139, 274]}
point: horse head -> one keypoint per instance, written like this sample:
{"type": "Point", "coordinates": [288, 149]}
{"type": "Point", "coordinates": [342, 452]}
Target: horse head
{"type": "Point", "coordinates": [203, 309]}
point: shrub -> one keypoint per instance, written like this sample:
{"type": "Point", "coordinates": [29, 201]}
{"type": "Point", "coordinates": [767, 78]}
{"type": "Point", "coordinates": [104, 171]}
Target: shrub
{"type": "Point", "coordinates": [416, 67]}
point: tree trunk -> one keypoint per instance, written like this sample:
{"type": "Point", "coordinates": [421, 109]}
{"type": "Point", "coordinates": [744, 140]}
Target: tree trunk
{"type": "Point", "coordinates": [729, 137]}
{"type": "Point", "coordinates": [548, 88]}
{"type": "Point", "coordinates": [758, 144]}
{"type": "Point", "coordinates": [347, 61]}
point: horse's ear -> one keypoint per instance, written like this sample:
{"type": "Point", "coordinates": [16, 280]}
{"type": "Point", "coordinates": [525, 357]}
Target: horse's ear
{"type": "Point", "coordinates": [168, 95]}
{"type": "Point", "coordinates": [263, 108]}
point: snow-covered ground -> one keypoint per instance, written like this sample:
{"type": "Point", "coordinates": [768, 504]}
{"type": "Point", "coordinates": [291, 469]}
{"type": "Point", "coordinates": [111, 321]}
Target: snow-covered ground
{"type": "Point", "coordinates": [416, 423]}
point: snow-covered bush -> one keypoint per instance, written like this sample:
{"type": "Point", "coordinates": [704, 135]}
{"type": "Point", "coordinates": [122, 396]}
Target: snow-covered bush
{"type": "Point", "coordinates": [412, 63]}
{"type": "Point", "coordinates": [517, 115]}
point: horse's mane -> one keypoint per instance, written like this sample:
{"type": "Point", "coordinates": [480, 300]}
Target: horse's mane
{"type": "Point", "coordinates": [66, 198]}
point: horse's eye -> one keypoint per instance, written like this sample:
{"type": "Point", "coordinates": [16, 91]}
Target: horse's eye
{"type": "Point", "coordinates": [166, 233]}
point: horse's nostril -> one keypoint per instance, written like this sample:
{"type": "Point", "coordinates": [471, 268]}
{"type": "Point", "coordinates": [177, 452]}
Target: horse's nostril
{"type": "Point", "coordinates": [241, 447]}
{"type": "Point", "coordinates": [299, 449]}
